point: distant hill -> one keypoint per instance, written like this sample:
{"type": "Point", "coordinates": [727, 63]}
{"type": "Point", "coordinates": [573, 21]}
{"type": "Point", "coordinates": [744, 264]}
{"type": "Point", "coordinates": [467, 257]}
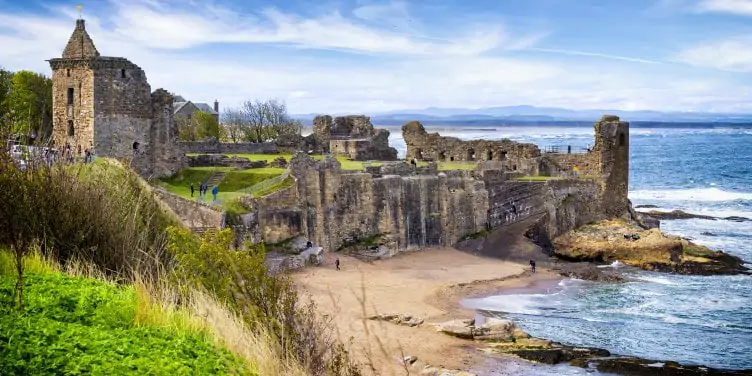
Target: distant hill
{"type": "Point", "coordinates": [513, 115]}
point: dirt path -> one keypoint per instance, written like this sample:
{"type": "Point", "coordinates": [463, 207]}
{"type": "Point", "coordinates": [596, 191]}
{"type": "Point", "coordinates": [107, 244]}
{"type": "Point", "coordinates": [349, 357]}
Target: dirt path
{"type": "Point", "coordinates": [428, 284]}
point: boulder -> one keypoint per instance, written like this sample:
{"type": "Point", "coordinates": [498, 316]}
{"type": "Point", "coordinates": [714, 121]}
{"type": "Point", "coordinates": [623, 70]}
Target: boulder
{"type": "Point", "coordinates": [399, 319]}
{"type": "Point", "coordinates": [495, 330]}
{"type": "Point", "coordinates": [457, 328]}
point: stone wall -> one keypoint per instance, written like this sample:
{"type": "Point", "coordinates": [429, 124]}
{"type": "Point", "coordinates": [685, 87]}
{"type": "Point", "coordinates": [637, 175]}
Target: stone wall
{"type": "Point", "coordinates": [335, 209]}
{"type": "Point", "coordinates": [353, 137]}
{"type": "Point", "coordinates": [434, 147]}
{"type": "Point", "coordinates": [194, 214]}
{"type": "Point", "coordinates": [216, 147]}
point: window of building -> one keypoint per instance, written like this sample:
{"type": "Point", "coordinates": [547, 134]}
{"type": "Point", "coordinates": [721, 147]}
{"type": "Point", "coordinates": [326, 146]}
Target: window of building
{"type": "Point", "coordinates": [622, 139]}
{"type": "Point", "coordinates": [71, 129]}
{"type": "Point", "coordinates": [70, 96]}
{"type": "Point", "coordinates": [67, 72]}
{"type": "Point", "coordinates": [122, 73]}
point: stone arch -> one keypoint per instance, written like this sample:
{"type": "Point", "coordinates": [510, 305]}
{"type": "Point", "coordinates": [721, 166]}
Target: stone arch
{"type": "Point", "coordinates": [442, 156]}
{"type": "Point", "coordinates": [470, 154]}
{"type": "Point", "coordinates": [622, 139]}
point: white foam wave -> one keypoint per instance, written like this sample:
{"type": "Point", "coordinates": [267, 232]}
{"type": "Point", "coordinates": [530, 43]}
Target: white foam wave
{"type": "Point", "coordinates": [616, 264]}
{"type": "Point", "coordinates": [657, 279]}
{"type": "Point", "coordinates": [694, 194]}
{"type": "Point", "coordinates": [520, 304]}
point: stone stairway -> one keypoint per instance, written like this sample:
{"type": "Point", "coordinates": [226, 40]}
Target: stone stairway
{"type": "Point", "coordinates": [215, 178]}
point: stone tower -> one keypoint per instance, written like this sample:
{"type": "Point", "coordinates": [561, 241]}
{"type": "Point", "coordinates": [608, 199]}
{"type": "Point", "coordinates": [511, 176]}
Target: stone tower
{"type": "Point", "coordinates": [612, 152]}
{"type": "Point", "coordinates": [105, 104]}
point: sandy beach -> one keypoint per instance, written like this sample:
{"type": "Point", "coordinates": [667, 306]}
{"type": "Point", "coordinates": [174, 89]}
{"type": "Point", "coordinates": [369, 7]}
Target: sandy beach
{"type": "Point", "coordinates": [428, 284]}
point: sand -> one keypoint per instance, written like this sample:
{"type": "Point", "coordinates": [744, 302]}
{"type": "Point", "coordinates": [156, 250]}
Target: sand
{"type": "Point", "coordinates": [429, 284]}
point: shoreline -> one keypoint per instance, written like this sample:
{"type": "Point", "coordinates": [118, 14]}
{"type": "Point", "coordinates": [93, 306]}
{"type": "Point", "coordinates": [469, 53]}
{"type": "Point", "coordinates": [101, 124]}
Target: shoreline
{"type": "Point", "coordinates": [428, 284]}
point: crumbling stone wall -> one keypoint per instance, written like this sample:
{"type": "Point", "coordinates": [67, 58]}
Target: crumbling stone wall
{"type": "Point", "coordinates": [216, 147]}
{"type": "Point", "coordinates": [352, 136]}
{"type": "Point", "coordinates": [192, 213]}
{"type": "Point", "coordinates": [512, 155]}
{"type": "Point", "coordinates": [336, 208]}
{"type": "Point", "coordinates": [105, 104]}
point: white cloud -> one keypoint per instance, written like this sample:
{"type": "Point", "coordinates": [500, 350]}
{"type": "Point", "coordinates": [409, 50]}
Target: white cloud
{"type": "Point", "coordinates": [732, 55]}
{"type": "Point", "coordinates": [404, 71]}
{"type": "Point", "coordinates": [741, 7]}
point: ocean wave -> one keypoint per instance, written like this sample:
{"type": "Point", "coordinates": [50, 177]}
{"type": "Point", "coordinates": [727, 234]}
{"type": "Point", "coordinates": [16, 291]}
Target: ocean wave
{"type": "Point", "coordinates": [657, 279]}
{"type": "Point", "coordinates": [693, 194]}
{"type": "Point", "coordinates": [616, 264]}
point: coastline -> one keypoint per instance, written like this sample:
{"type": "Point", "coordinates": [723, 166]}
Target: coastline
{"type": "Point", "coordinates": [429, 284]}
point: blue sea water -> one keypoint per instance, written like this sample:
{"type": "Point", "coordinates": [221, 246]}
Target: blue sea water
{"type": "Point", "coordinates": [690, 319]}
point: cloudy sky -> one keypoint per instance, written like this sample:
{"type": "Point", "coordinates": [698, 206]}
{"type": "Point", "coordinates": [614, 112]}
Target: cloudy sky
{"type": "Point", "coordinates": [363, 56]}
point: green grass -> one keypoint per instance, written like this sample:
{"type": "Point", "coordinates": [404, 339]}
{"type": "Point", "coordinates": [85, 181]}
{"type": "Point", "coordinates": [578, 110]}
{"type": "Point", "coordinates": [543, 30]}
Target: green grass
{"type": "Point", "coordinates": [85, 326]}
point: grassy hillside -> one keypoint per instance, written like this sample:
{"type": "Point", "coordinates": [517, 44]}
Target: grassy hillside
{"type": "Point", "coordinates": [79, 325]}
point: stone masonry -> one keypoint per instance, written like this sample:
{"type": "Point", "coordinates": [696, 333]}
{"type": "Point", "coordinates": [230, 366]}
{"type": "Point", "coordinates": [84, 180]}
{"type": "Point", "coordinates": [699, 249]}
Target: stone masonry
{"type": "Point", "coordinates": [105, 104]}
{"type": "Point", "coordinates": [352, 136]}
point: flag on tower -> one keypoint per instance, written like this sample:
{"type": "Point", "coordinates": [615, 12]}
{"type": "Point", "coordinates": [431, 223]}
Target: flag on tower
{"type": "Point", "coordinates": [79, 7]}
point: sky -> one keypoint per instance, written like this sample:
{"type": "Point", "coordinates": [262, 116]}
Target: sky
{"type": "Point", "coordinates": [363, 56]}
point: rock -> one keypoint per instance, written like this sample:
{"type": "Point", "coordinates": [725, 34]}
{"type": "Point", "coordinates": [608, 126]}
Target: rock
{"type": "Point", "coordinates": [399, 319]}
{"type": "Point", "coordinates": [457, 328]}
{"type": "Point", "coordinates": [646, 206]}
{"type": "Point", "coordinates": [707, 233]}
{"type": "Point", "coordinates": [645, 367]}
{"type": "Point", "coordinates": [280, 162]}
{"type": "Point", "coordinates": [409, 359]}
{"type": "Point", "coordinates": [679, 214]}
{"type": "Point", "coordinates": [494, 330]}
{"type": "Point", "coordinates": [651, 250]}
{"type": "Point", "coordinates": [519, 334]}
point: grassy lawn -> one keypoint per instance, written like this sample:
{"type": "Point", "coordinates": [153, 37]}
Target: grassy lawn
{"type": "Point", "coordinates": [84, 326]}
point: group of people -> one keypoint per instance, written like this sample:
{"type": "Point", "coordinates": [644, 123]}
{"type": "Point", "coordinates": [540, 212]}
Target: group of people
{"type": "Point", "coordinates": [203, 188]}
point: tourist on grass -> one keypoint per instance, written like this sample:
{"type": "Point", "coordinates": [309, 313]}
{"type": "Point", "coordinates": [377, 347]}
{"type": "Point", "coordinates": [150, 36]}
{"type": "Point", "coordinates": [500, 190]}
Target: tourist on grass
{"type": "Point", "coordinates": [215, 190]}
{"type": "Point", "coordinates": [191, 189]}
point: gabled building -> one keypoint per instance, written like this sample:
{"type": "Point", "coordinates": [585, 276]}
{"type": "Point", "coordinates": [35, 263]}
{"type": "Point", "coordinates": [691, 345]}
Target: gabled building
{"type": "Point", "coordinates": [186, 108]}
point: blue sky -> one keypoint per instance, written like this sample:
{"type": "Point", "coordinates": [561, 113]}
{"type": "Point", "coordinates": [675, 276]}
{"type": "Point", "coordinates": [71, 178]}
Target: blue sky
{"type": "Point", "coordinates": [363, 56]}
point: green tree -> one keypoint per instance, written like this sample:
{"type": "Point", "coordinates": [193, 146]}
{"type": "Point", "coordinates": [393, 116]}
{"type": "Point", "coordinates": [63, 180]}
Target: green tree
{"type": "Point", "coordinates": [6, 81]}
{"type": "Point", "coordinates": [198, 126]}
{"type": "Point", "coordinates": [29, 104]}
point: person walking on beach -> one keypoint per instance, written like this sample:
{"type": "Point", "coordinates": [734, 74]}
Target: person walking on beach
{"type": "Point", "coordinates": [532, 265]}
{"type": "Point", "coordinates": [192, 189]}
{"type": "Point", "coordinates": [336, 263]}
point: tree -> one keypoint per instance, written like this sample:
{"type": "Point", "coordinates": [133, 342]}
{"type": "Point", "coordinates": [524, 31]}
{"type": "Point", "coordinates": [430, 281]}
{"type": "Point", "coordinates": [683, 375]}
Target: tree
{"type": "Point", "coordinates": [28, 104]}
{"type": "Point", "coordinates": [198, 126]}
{"type": "Point", "coordinates": [6, 82]}
{"type": "Point", "coordinates": [232, 124]}
{"type": "Point", "coordinates": [266, 121]}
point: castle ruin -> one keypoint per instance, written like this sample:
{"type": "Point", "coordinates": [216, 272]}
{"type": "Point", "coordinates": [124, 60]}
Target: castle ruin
{"type": "Point", "coordinates": [105, 105]}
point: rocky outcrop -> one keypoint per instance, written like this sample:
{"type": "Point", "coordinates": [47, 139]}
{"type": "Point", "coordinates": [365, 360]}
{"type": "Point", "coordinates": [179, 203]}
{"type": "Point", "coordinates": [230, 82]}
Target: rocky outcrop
{"type": "Point", "coordinates": [620, 240]}
{"type": "Point", "coordinates": [492, 329]}
{"type": "Point", "coordinates": [645, 367]}
{"type": "Point", "coordinates": [398, 318]}
{"type": "Point", "coordinates": [680, 214]}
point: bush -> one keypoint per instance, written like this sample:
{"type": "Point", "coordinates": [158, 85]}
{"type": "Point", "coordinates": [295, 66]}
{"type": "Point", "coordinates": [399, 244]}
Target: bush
{"type": "Point", "coordinates": [86, 326]}
{"type": "Point", "coordinates": [267, 302]}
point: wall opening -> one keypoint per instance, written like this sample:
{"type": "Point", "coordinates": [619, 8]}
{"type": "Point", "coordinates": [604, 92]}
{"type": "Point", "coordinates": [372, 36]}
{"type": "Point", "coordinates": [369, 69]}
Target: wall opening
{"type": "Point", "coordinates": [471, 155]}
{"type": "Point", "coordinates": [442, 156]}
{"type": "Point", "coordinates": [503, 156]}
{"type": "Point", "coordinates": [490, 155]}
{"type": "Point", "coordinates": [451, 159]}
{"type": "Point", "coordinates": [70, 96]}
{"type": "Point", "coordinates": [71, 129]}
{"type": "Point", "coordinates": [122, 73]}
{"type": "Point", "coordinates": [67, 72]}
{"type": "Point", "coordinates": [622, 139]}
{"type": "Point", "coordinates": [514, 167]}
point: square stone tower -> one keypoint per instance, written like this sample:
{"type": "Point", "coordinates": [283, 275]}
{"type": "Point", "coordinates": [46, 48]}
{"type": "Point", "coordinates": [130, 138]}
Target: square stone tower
{"type": "Point", "coordinates": [105, 104]}
{"type": "Point", "coordinates": [99, 103]}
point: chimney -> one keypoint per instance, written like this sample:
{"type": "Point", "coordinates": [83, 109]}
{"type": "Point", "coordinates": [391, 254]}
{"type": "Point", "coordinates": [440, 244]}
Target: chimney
{"type": "Point", "coordinates": [216, 106]}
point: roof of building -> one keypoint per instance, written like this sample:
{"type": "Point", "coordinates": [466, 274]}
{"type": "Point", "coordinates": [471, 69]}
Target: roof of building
{"type": "Point", "coordinates": [80, 45]}
{"type": "Point", "coordinates": [177, 106]}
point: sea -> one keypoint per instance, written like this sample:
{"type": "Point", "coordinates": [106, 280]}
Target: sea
{"type": "Point", "coordinates": [701, 320]}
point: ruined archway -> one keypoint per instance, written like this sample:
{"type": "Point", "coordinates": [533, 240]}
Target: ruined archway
{"type": "Point", "coordinates": [503, 156]}
{"type": "Point", "coordinates": [471, 154]}
{"type": "Point", "coordinates": [442, 156]}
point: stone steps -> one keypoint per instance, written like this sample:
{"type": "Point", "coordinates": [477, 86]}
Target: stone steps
{"type": "Point", "coordinates": [215, 179]}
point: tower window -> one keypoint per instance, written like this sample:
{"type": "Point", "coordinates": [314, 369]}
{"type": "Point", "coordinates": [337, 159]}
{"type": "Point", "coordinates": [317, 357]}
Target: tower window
{"type": "Point", "coordinates": [67, 72]}
{"type": "Point", "coordinates": [71, 129]}
{"type": "Point", "coordinates": [622, 139]}
{"type": "Point", "coordinates": [70, 96]}
{"type": "Point", "coordinates": [122, 73]}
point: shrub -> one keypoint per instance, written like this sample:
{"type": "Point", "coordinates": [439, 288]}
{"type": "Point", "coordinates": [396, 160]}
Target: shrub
{"type": "Point", "coordinates": [85, 326]}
